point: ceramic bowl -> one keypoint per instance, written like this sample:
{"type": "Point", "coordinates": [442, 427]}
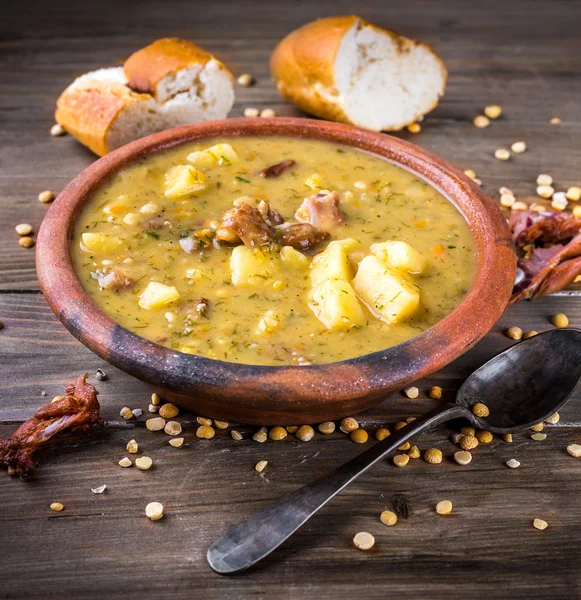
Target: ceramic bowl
{"type": "Point", "coordinates": [280, 395]}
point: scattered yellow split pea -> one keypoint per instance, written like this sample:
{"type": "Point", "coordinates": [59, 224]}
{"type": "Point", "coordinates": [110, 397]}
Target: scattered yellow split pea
{"type": "Point", "coordinates": [155, 424]}
{"type": "Point", "coordinates": [359, 436]}
{"type": "Point", "coordinates": [125, 462]}
{"type": "Point", "coordinates": [364, 541]}
{"type": "Point", "coordinates": [382, 433]}
{"type": "Point", "coordinates": [462, 457]}
{"type": "Point", "coordinates": [444, 507]}
{"type": "Point", "coordinates": [154, 511]}
{"type": "Point", "coordinates": [435, 392]}
{"type": "Point", "coordinates": [574, 450]}
{"type": "Point", "coordinates": [388, 517]}
{"type": "Point", "coordinates": [433, 456]}
{"type": "Point", "coordinates": [540, 524]}
{"type": "Point", "coordinates": [348, 424]}
{"type": "Point", "coordinates": [172, 428]}
{"type": "Point", "coordinates": [168, 411]}
{"type": "Point", "coordinates": [327, 427]}
{"type": "Point", "coordinates": [206, 432]}
{"type": "Point", "coordinates": [143, 463]}
{"type": "Point", "coordinates": [57, 506]}
{"type": "Point", "coordinates": [414, 452]}
{"type": "Point", "coordinates": [246, 80]}
{"type": "Point", "coordinates": [401, 460]}
{"type": "Point", "coordinates": [251, 112]}
{"type": "Point", "coordinates": [545, 191]}
{"type": "Point", "coordinates": [305, 433]}
{"type": "Point", "coordinates": [468, 442]}
{"type": "Point", "coordinates": [260, 436]}
{"type": "Point", "coordinates": [26, 242]}
{"type": "Point", "coordinates": [261, 465]}
{"type": "Point", "coordinates": [277, 433]}
{"type": "Point", "coordinates": [560, 320]}
{"type": "Point", "coordinates": [501, 154]}
{"type": "Point", "coordinates": [481, 121]}
{"type": "Point", "coordinates": [412, 392]}
{"type": "Point", "coordinates": [480, 410]}
{"type": "Point", "coordinates": [46, 196]}
{"type": "Point", "coordinates": [573, 193]}
{"type": "Point", "coordinates": [267, 113]}
{"type": "Point", "coordinates": [132, 447]}
{"type": "Point", "coordinates": [539, 437]}
{"type": "Point", "coordinates": [414, 128]}
{"type": "Point", "coordinates": [518, 147]}
{"type": "Point", "coordinates": [493, 111]}
{"type": "Point", "coordinates": [23, 229]}
{"type": "Point", "coordinates": [57, 130]}
{"type": "Point", "coordinates": [155, 399]}
{"type": "Point", "coordinates": [176, 442]}
{"type": "Point", "coordinates": [514, 333]}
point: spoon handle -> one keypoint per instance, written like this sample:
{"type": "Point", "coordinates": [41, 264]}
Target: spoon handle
{"type": "Point", "coordinates": [253, 539]}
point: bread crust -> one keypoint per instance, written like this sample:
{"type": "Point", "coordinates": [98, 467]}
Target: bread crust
{"type": "Point", "coordinates": [302, 66]}
{"type": "Point", "coordinates": [88, 111]}
{"type": "Point", "coordinates": [145, 68]}
{"type": "Point", "coordinates": [89, 107]}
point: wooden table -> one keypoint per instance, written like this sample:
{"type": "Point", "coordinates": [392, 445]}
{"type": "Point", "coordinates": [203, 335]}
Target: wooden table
{"type": "Point", "coordinates": [525, 56]}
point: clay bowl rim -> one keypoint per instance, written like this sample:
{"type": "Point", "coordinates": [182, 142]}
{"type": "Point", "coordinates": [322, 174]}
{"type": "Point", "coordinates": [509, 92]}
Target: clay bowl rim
{"type": "Point", "coordinates": [360, 381]}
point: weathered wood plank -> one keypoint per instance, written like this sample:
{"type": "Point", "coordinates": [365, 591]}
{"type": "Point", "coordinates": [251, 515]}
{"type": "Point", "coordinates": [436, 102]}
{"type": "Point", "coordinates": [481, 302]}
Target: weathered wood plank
{"type": "Point", "coordinates": [487, 544]}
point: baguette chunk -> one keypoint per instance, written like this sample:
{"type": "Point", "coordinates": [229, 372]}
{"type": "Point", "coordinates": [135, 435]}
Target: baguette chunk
{"type": "Point", "coordinates": [349, 70]}
{"type": "Point", "coordinates": [172, 82]}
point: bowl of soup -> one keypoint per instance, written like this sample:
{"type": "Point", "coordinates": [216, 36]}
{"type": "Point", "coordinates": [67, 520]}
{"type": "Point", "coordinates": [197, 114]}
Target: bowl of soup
{"type": "Point", "coordinates": [275, 271]}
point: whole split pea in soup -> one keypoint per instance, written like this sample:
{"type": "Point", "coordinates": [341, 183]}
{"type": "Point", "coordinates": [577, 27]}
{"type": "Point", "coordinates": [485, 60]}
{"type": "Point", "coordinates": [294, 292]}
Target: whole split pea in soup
{"type": "Point", "coordinates": [272, 251]}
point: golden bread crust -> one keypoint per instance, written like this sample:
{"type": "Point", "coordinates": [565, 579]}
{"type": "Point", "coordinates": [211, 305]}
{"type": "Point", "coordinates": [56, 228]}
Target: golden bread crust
{"type": "Point", "coordinates": [302, 66]}
{"type": "Point", "coordinates": [146, 67]}
{"type": "Point", "coordinates": [88, 111]}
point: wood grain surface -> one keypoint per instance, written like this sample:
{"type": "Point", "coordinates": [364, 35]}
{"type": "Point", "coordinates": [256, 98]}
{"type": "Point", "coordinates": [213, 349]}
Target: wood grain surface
{"type": "Point", "coordinates": [523, 55]}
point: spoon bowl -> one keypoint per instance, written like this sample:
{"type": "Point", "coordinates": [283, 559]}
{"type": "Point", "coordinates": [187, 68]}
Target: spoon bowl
{"type": "Point", "coordinates": [527, 383]}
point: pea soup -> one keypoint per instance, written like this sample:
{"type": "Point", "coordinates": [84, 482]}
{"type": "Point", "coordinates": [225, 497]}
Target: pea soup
{"type": "Point", "coordinates": [272, 251]}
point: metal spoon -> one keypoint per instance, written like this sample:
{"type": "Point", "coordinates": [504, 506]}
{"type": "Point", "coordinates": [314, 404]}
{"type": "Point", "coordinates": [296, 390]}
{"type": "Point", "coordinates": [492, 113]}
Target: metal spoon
{"type": "Point", "coordinates": [521, 386]}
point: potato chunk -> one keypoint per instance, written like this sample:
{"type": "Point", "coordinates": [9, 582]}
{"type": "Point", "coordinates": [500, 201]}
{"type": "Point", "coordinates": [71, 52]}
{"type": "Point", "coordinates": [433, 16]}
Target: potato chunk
{"type": "Point", "coordinates": [401, 256]}
{"type": "Point", "coordinates": [157, 295]}
{"type": "Point", "coordinates": [386, 291]}
{"type": "Point", "coordinates": [99, 242]}
{"type": "Point", "coordinates": [252, 266]}
{"type": "Point", "coordinates": [333, 262]}
{"type": "Point", "coordinates": [219, 154]}
{"type": "Point", "coordinates": [294, 259]}
{"type": "Point", "coordinates": [183, 180]}
{"type": "Point", "coordinates": [335, 304]}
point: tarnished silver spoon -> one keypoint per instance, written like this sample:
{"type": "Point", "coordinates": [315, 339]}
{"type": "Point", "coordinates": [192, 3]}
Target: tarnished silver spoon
{"type": "Point", "coordinates": [521, 386]}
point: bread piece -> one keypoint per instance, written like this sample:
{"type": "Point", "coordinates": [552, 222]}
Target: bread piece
{"type": "Point", "coordinates": [170, 83]}
{"type": "Point", "coordinates": [346, 69]}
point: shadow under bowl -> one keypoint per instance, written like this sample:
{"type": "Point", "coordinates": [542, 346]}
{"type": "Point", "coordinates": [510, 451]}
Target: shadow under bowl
{"type": "Point", "coordinates": [266, 395]}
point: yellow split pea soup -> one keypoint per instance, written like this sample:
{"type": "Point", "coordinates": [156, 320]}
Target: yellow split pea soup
{"type": "Point", "coordinates": [272, 251]}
